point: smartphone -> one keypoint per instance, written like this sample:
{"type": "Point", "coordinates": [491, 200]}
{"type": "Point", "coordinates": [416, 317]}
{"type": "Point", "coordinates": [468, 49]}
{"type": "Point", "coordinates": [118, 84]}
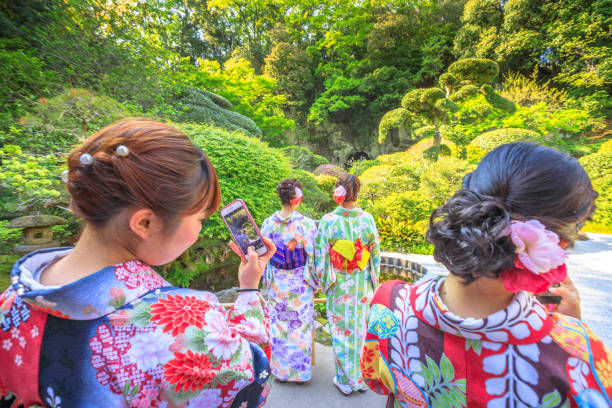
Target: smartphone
{"type": "Point", "coordinates": [241, 225]}
{"type": "Point", "coordinates": [549, 298]}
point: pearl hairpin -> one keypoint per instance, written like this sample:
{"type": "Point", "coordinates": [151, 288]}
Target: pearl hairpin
{"type": "Point", "coordinates": [122, 151]}
{"type": "Point", "coordinates": [86, 159]}
{"type": "Point", "coordinates": [65, 176]}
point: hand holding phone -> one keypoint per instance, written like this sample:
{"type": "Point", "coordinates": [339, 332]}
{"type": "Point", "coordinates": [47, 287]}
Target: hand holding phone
{"type": "Point", "coordinates": [241, 225]}
{"type": "Point", "coordinates": [250, 272]}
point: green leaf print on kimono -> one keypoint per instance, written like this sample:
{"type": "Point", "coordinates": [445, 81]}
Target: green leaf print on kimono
{"type": "Point", "coordinates": [441, 385]}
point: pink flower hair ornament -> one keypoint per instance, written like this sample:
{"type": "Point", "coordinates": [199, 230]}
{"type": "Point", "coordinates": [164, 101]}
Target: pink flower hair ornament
{"type": "Point", "coordinates": [340, 194]}
{"type": "Point", "coordinates": [298, 196]}
{"type": "Point", "coordinates": [539, 262]}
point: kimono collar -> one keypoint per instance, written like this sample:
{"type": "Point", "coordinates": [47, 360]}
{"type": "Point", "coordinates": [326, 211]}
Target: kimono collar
{"type": "Point", "coordinates": [523, 321]}
{"type": "Point", "coordinates": [295, 215]}
{"type": "Point", "coordinates": [348, 213]}
{"type": "Point", "coordinates": [88, 298]}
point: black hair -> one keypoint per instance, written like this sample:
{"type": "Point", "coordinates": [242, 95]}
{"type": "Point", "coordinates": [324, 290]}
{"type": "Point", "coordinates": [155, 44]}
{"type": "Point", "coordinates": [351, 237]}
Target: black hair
{"type": "Point", "coordinates": [286, 190]}
{"type": "Point", "coordinates": [516, 181]}
{"type": "Point", "coordinates": [352, 185]}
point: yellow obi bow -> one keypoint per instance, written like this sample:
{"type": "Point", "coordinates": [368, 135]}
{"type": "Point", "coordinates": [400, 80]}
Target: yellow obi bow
{"type": "Point", "coordinates": [346, 255]}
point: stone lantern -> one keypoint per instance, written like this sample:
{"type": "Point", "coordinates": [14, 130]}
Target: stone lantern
{"type": "Point", "coordinates": [37, 232]}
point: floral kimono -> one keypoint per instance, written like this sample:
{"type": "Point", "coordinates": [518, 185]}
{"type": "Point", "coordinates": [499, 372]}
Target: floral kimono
{"type": "Point", "coordinates": [423, 355]}
{"type": "Point", "coordinates": [347, 257]}
{"type": "Point", "coordinates": [290, 284]}
{"type": "Point", "coordinates": [123, 337]}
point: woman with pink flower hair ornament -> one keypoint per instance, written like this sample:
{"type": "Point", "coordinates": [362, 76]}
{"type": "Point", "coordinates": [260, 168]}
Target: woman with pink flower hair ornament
{"type": "Point", "coordinates": [479, 337]}
{"type": "Point", "coordinates": [347, 264]}
{"type": "Point", "coordinates": [290, 283]}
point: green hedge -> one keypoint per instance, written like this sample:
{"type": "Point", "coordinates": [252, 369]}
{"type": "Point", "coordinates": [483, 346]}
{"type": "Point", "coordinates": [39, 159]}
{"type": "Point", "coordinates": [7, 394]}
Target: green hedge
{"type": "Point", "coordinates": [302, 158]}
{"type": "Point", "coordinates": [488, 141]}
{"type": "Point", "coordinates": [599, 168]}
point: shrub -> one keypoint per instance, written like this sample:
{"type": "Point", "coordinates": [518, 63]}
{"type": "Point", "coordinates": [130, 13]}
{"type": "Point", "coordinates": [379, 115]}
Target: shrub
{"type": "Point", "coordinates": [317, 201]}
{"type": "Point", "coordinates": [442, 179]}
{"type": "Point", "coordinates": [27, 180]}
{"type": "Point", "coordinates": [58, 123]}
{"type": "Point", "coordinates": [488, 141]}
{"type": "Point", "coordinates": [330, 170]}
{"type": "Point", "coordinates": [477, 71]}
{"type": "Point", "coordinates": [401, 236]}
{"type": "Point", "coordinates": [326, 183]}
{"type": "Point", "coordinates": [408, 206]}
{"type": "Point", "coordinates": [203, 107]}
{"type": "Point", "coordinates": [379, 181]}
{"type": "Point", "coordinates": [248, 169]}
{"type": "Point", "coordinates": [302, 158]}
{"type": "Point", "coordinates": [599, 168]}
{"type": "Point", "coordinates": [416, 151]}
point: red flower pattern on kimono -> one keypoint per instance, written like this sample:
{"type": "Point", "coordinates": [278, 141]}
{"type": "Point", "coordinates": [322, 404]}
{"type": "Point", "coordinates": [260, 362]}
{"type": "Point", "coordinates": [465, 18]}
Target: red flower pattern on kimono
{"type": "Point", "coordinates": [176, 313]}
{"type": "Point", "coordinates": [189, 371]}
{"type": "Point", "coordinates": [136, 274]}
{"type": "Point", "coordinates": [113, 366]}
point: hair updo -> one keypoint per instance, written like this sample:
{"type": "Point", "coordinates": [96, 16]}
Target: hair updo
{"type": "Point", "coordinates": [351, 184]}
{"type": "Point", "coordinates": [163, 171]}
{"type": "Point", "coordinates": [517, 181]}
{"type": "Point", "coordinates": [286, 190]}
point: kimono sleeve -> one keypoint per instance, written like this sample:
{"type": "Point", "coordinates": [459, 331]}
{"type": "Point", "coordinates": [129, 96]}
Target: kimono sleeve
{"type": "Point", "coordinates": [214, 357]}
{"type": "Point", "coordinates": [309, 236]}
{"type": "Point", "coordinates": [381, 326]}
{"type": "Point", "coordinates": [374, 249]}
{"type": "Point", "coordinates": [322, 264]}
{"type": "Point", "coordinates": [266, 229]}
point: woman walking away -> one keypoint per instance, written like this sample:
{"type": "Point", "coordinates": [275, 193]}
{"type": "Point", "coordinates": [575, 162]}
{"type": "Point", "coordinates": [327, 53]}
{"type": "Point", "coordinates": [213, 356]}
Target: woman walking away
{"type": "Point", "coordinates": [291, 284]}
{"type": "Point", "coordinates": [479, 337]}
{"type": "Point", "coordinates": [347, 257]}
{"type": "Point", "coordinates": [95, 326]}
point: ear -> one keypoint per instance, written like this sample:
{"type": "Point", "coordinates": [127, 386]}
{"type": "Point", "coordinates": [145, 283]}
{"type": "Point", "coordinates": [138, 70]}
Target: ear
{"type": "Point", "coordinates": [144, 223]}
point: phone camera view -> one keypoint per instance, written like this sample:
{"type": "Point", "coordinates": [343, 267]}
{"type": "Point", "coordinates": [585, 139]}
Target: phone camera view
{"type": "Point", "coordinates": [243, 230]}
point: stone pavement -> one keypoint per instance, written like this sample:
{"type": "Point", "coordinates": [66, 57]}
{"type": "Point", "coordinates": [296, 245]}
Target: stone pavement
{"type": "Point", "coordinates": [589, 265]}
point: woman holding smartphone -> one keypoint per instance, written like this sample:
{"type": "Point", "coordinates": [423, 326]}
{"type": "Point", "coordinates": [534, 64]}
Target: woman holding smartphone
{"type": "Point", "coordinates": [291, 284]}
{"type": "Point", "coordinates": [347, 256]}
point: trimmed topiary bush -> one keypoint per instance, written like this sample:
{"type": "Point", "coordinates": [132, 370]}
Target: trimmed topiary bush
{"type": "Point", "coordinates": [488, 141]}
{"type": "Point", "coordinates": [442, 179]}
{"type": "Point", "coordinates": [329, 169]}
{"type": "Point", "coordinates": [477, 71]}
{"type": "Point", "coordinates": [199, 106]}
{"type": "Point", "coordinates": [248, 169]}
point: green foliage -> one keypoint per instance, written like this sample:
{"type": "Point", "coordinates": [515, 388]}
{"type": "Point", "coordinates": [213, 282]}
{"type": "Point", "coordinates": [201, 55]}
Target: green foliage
{"type": "Point", "coordinates": [302, 158]}
{"type": "Point", "coordinates": [401, 236]}
{"type": "Point", "coordinates": [599, 168]}
{"type": "Point", "coordinates": [203, 107]}
{"type": "Point", "coordinates": [317, 199]}
{"type": "Point", "coordinates": [527, 91]}
{"type": "Point", "coordinates": [488, 141]}
{"type": "Point", "coordinates": [56, 124]}
{"type": "Point", "coordinates": [393, 119]}
{"type": "Point", "coordinates": [475, 71]}
{"type": "Point", "coordinates": [465, 92]}
{"type": "Point", "coordinates": [326, 182]}
{"type": "Point", "coordinates": [442, 179]}
{"type": "Point", "coordinates": [9, 237]}
{"type": "Point", "coordinates": [27, 180]}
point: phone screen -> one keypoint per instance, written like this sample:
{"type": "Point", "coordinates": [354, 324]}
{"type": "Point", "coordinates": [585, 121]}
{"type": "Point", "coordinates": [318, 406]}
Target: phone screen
{"type": "Point", "coordinates": [243, 230]}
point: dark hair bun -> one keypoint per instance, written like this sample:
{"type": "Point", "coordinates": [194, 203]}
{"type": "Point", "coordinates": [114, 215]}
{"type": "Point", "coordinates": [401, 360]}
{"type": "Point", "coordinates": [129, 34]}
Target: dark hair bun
{"type": "Point", "coordinates": [286, 190]}
{"type": "Point", "coordinates": [470, 235]}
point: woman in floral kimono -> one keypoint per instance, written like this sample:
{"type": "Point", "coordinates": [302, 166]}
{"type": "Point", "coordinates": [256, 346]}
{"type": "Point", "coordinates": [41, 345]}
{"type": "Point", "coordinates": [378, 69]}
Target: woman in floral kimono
{"type": "Point", "coordinates": [291, 284]}
{"type": "Point", "coordinates": [479, 338]}
{"type": "Point", "coordinates": [347, 257]}
{"type": "Point", "coordinates": [96, 326]}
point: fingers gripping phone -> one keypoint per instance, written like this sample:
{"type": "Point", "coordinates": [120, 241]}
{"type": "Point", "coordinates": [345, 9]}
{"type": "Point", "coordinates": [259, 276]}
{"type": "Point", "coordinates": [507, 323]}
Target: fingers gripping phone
{"type": "Point", "coordinates": [241, 225]}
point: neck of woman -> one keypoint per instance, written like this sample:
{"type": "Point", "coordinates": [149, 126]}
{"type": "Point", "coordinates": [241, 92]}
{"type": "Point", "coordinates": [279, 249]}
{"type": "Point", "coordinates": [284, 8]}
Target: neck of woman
{"type": "Point", "coordinates": [348, 205]}
{"type": "Point", "coordinates": [90, 254]}
{"type": "Point", "coordinates": [286, 211]}
{"type": "Point", "coordinates": [478, 299]}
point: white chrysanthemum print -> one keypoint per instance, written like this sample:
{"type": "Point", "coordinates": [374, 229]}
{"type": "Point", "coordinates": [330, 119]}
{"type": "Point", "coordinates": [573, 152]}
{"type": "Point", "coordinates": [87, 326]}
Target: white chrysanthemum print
{"type": "Point", "coordinates": [148, 350]}
{"type": "Point", "coordinates": [220, 340]}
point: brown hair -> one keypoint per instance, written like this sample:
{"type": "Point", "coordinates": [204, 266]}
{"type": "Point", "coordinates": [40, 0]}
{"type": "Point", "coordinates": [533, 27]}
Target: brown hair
{"type": "Point", "coordinates": [286, 189]}
{"type": "Point", "coordinates": [164, 171]}
{"type": "Point", "coordinates": [351, 184]}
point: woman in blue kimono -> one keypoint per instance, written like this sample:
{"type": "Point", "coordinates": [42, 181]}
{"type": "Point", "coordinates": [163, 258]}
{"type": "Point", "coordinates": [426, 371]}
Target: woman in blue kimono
{"type": "Point", "coordinates": [291, 284]}
{"type": "Point", "coordinates": [96, 326]}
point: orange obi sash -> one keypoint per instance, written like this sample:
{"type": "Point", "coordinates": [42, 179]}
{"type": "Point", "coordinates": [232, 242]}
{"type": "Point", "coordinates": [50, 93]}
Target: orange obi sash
{"type": "Point", "coordinates": [346, 256]}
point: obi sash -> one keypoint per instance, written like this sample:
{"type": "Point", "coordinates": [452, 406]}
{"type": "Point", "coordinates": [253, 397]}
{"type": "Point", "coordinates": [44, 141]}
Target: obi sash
{"type": "Point", "coordinates": [286, 259]}
{"type": "Point", "coordinates": [347, 256]}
